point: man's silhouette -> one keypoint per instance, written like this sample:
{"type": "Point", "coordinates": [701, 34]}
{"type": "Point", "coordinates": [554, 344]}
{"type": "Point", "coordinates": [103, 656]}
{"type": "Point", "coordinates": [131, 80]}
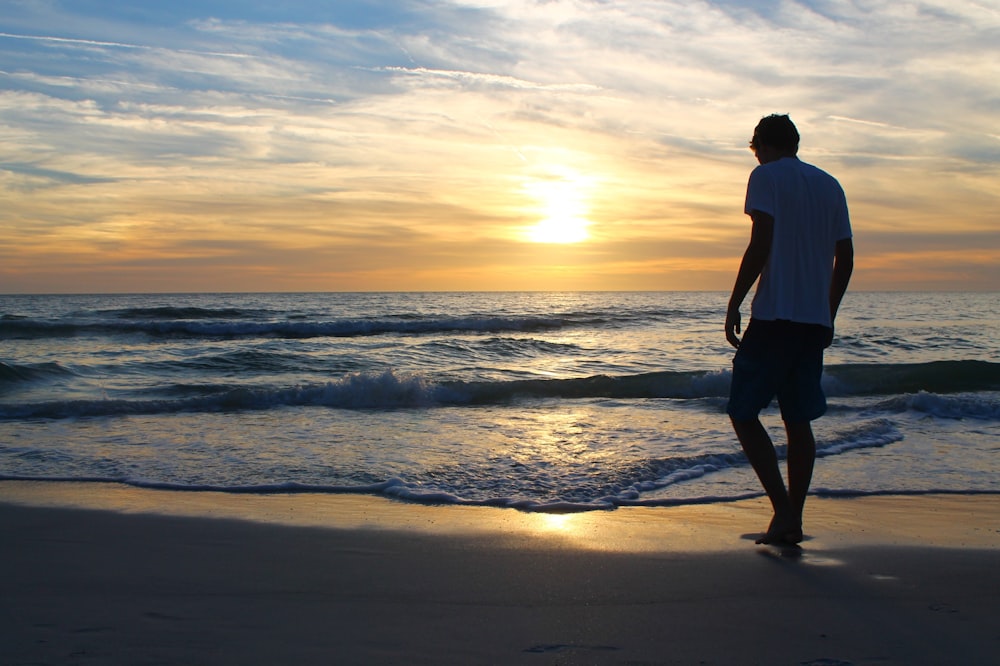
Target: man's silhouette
{"type": "Point", "coordinates": [801, 249]}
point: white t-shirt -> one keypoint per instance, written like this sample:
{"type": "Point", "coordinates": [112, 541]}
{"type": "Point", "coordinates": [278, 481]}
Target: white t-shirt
{"type": "Point", "coordinates": [810, 215]}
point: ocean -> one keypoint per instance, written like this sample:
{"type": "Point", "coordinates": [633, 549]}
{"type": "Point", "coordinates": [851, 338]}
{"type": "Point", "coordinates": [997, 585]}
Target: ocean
{"type": "Point", "coordinates": [539, 401]}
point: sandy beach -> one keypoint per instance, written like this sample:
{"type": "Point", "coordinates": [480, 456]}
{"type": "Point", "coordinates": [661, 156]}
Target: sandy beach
{"type": "Point", "coordinates": [104, 574]}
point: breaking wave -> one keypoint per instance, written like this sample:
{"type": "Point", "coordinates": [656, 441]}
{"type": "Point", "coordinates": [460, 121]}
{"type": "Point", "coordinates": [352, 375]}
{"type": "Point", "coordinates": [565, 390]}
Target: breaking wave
{"type": "Point", "coordinates": [390, 390]}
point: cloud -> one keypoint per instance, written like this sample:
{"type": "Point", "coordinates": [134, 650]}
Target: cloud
{"type": "Point", "coordinates": [60, 41]}
{"type": "Point", "coordinates": [376, 135]}
{"type": "Point", "coordinates": [476, 79]}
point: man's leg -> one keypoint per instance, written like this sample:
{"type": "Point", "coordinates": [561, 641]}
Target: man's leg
{"type": "Point", "coordinates": [801, 457]}
{"type": "Point", "coordinates": [786, 525]}
{"type": "Point", "coordinates": [801, 399]}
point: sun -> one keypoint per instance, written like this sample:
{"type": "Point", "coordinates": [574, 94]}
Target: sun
{"type": "Point", "coordinates": [559, 229]}
{"type": "Point", "coordinates": [562, 205]}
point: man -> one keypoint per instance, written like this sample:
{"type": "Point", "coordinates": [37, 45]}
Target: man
{"type": "Point", "coordinates": [801, 249]}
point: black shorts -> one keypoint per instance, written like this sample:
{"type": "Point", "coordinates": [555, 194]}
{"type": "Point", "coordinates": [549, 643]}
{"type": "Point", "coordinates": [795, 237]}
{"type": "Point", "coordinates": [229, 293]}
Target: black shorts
{"type": "Point", "coordinates": [782, 359]}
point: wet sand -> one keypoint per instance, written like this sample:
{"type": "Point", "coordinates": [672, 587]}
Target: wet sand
{"type": "Point", "coordinates": [104, 574]}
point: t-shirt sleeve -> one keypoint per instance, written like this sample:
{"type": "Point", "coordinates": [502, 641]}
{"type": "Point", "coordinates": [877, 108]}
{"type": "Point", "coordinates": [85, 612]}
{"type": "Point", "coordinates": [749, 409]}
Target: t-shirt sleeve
{"type": "Point", "coordinates": [760, 193]}
{"type": "Point", "coordinates": [843, 221]}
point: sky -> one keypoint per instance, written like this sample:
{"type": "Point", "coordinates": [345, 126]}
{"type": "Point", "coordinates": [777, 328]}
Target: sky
{"type": "Point", "coordinates": [409, 145]}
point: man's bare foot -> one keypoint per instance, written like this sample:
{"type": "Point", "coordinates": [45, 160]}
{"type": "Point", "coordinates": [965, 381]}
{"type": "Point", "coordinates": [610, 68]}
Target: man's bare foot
{"type": "Point", "coordinates": [782, 530]}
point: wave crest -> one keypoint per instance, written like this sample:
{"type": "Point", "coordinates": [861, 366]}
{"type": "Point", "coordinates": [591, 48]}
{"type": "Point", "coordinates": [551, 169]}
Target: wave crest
{"type": "Point", "coordinates": [393, 390]}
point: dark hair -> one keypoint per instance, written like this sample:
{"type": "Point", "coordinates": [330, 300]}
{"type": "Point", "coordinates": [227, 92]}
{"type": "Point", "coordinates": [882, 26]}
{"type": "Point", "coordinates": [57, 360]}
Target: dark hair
{"type": "Point", "coordinates": [777, 131]}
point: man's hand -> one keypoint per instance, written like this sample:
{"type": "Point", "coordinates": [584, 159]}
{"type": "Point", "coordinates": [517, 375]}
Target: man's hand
{"type": "Point", "coordinates": [828, 340]}
{"type": "Point", "coordinates": [754, 260]}
{"type": "Point", "coordinates": [733, 326]}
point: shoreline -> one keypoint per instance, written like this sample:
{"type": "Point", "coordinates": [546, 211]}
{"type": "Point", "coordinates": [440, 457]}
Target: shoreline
{"type": "Point", "coordinates": [947, 519]}
{"type": "Point", "coordinates": [117, 575]}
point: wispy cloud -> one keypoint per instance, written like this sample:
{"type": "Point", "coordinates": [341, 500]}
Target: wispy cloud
{"type": "Point", "coordinates": [401, 140]}
{"type": "Point", "coordinates": [117, 45]}
{"type": "Point", "coordinates": [477, 78]}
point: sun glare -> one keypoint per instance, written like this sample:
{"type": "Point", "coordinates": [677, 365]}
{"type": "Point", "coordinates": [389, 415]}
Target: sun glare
{"type": "Point", "coordinates": [559, 229]}
{"type": "Point", "coordinates": [562, 200]}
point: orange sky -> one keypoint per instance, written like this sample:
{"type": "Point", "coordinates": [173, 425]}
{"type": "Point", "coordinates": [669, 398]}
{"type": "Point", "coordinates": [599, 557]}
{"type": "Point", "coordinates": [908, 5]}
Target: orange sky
{"type": "Point", "coordinates": [462, 145]}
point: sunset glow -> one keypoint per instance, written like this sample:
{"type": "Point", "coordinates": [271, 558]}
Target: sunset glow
{"type": "Point", "coordinates": [500, 145]}
{"type": "Point", "coordinates": [563, 208]}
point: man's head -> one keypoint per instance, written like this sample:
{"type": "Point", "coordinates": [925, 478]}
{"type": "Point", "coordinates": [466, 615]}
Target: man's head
{"type": "Point", "coordinates": [775, 137]}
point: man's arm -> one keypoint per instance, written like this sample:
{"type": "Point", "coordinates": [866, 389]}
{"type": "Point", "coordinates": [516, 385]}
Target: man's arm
{"type": "Point", "coordinates": [843, 267]}
{"type": "Point", "coordinates": [754, 260]}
